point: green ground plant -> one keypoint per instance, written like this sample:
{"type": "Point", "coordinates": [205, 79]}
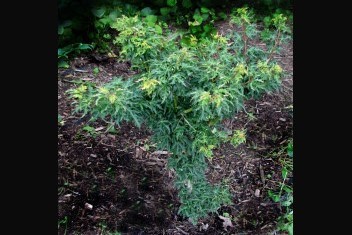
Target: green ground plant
{"type": "Point", "coordinates": [72, 49]}
{"type": "Point", "coordinates": [284, 196]}
{"type": "Point", "coordinates": [91, 22]}
{"type": "Point", "coordinates": [182, 94]}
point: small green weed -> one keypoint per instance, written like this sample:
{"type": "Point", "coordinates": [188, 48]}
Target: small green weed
{"type": "Point", "coordinates": [64, 223]}
{"type": "Point", "coordinates": [285, 194]}
{"type": "Point", "coordinates": [60, 120]}
{"type": "Point", "coordinates": [238, 138]}
{"type": "Point", "coordinates": [96, 71]}
{"type": "Point", "coordinates": [90, 131]}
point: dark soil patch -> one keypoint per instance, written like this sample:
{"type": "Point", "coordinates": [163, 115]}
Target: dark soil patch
{"type": "Point", "coordinates": [115, 181]}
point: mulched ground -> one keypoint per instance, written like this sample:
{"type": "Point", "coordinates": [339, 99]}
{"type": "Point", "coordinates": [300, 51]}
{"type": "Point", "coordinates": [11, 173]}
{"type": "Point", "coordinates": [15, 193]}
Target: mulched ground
{"type": "Point", "coordinates": [117, 182]}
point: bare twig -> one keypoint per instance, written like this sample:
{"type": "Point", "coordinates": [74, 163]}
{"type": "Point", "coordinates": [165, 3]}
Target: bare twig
{"type": "Point", "coordinates": [261, 170]}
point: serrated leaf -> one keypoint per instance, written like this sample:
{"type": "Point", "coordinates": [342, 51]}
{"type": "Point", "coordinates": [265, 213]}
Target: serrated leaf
{"type": "Point", "coordinates": [171, 3]}
{"type": "Point", "coordinates": [99, 11]}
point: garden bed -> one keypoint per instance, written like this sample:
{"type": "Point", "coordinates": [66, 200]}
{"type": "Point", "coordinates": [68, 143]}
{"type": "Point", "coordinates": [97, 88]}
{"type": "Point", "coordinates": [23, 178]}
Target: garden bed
{"type": "Point", "coordinates": [120, 182]}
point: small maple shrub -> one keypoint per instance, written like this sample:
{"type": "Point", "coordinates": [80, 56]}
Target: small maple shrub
{"type": "Point", "coordinates": [183, 93]}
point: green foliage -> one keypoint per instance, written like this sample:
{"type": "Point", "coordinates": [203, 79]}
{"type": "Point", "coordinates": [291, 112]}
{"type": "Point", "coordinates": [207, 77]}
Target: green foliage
{"type": "Point", "coordinates": [182, 93]}
{"type": "Point", "coordinates": [140, 40]}
{"type": "Point", "coordinates": [171, 3]}
{"type": "Point", "coordinates": [63, 222]}
{"type": "Point", "coordinates": [285, 195]}
{"type": "Point", "coordinates": [73, 49]}
{"type": "Point", "coordinates": [104, 16]}
{"type": "Point", "coordinates": [290, 149]}
{"type": "Point", "coordinates": [89, 21]}
{"type": "Point", "coordinates": [238, 138]}
{"type": "Point", "coordinates": [90, 131]}
{"type": "Point", "coordinates": [60, 120]}
{"type": "Point", "coordinates": [96, 71]}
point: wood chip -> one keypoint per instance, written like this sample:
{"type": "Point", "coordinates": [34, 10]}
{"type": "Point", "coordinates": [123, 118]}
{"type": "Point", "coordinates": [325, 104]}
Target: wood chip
{"type": "Point", "coordinates": [204, 227]}
{"type": "Point", "coordinates": [257, 193]}
{"type": "Point", "coordinates": [139, 152]}
{"type": "Point", "coordinates": [88, 206]}
{"type": "Point", "coordinates": [183, 232]}
{"type": "Point", "coordinates": [227, 222]}
{"type": "Point", "coordinates": [108, 157]}
{"type": "Point", "coordinates": [99, 128]}
{"type": "Point", "coordinates": [160, 153]}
